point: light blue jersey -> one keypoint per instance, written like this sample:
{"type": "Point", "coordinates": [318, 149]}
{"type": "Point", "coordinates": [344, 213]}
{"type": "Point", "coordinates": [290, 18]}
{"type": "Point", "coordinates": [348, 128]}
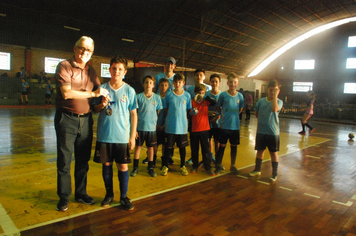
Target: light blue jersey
{"type": "Point", "coordinates": [230, 108]}
{"type": "Point", "coordinates": [147, 111]}
{"type": "Point", "coordinates": [116, 128]}
{"type": "Point", "coordinates": [177, 106]}
{"type": "Point", "coordinates": [190, 89]}
{"type": "Point", "coordinates": [160, 76]}
{"type": "Point", "coordinates": [162, 113]}
{"type": "Point", "coordinates": [268, 121]}
{"type": "Point", "coordinates": [213, 108]}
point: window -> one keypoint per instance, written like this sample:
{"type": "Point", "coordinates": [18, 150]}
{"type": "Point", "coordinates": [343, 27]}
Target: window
{"type": "Point", "coordinates": [51, 64]}
{"type": "Point", "coordinates": [350, 88]}
{"type": "Point", "coordinates": [302, 86]}
{"type": "Point", "coordinates": [352, 42]}
{"type": "Point", "coordinates": [304, 64]}
{"type": "Point", "coordinates": [4, 61]}
{"type": "Point", "coordinates": [351, 63]}
{"type": "Point", "coordinates": [105, 73]}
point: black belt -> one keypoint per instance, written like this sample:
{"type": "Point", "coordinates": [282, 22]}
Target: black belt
{"type": "Point", "coordinates": [76, 115]}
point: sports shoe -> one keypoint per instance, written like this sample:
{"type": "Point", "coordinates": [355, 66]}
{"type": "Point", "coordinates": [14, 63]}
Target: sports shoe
{"type": "Point", "coordinates": [126, 204]}
{"type": "Point", "coordinates": [218, 169]}
{"type": "Point", "coordinates": [134, 172]}
{"type": "Point", "coordinates": [234, 170]}
{"type": "Point", "coordinates": [301, 132]}
{"type": "Point", "coordinates": [164, 170]}
{"type": "Point", "coordinates": [152, 173]}
{"type": "Point", "coordinates": [190, 161]}
{"type": "Point", "coordinates": [311, 131]}
{"type": "Point", "coordinates": [210, 172]}
{"type": "Point", "coordinates": [107, 201]}
{"type": "Point", "coordinates": [201, 164]}
{"type": "Point", "coordinates": [62, 205]}
{"type": "Point", "coordinates": [184, 171]}
{"type": "Point", "coordinates": [193, 170]}
{"type": "Point", "coordinates": [273, 178]}
{"type": "Point", "coordinates": [145, 161]}
{"type": "Point", "coordinates": [254, 173]}
{"type": "Point", "coordinates": [85, 199]}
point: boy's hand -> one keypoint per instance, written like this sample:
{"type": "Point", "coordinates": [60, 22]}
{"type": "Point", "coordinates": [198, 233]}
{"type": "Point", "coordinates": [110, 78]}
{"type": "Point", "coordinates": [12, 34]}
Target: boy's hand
{"type": "Point", "coordinates": [105, 100]}
{"type": "Point", "coordinates": [276, 93]}
{"type": "Point", "coordinates": [132, 143]}
{"type": "Point", "coordinates": [199, 98]}
{"type": "Point", "coordinates": [212, 113]}
{"type": "Point", "coordinates": [136, 137]}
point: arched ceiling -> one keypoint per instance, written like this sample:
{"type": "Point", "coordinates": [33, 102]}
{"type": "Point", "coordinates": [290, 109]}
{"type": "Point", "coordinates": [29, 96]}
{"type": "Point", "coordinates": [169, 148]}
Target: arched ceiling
{"type": "Point", "coordinates": [218, 35]}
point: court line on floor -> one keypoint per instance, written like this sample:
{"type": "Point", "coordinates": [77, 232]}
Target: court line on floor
{"type": "Point", "coordinates": [7, 224]}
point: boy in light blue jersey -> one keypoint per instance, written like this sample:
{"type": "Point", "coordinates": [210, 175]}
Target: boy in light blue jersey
{"type": "Point", "coordinates": [214, 116]}
{"type": "Point", "coordinates": [267, 110]}
{"type": "Point", "coordinates": [176, 104]}
{"type": "Point", "coordinates": [116, 131]}
{"type": "Point", "coordinates": [169, 67]}
{"type": "Point", "coordinates": [199, 77]}
{"type": "Point", "coordinates": [230, 105]}
{"type": "Point", "coordinates": [148, 105]}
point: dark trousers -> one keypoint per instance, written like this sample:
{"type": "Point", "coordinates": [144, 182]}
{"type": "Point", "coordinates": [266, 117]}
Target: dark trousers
{"type": "Point", "coordinates": [74, 134]}
{"type": "Point", "coordinates": [248, 114]}
{"type": "Point", "coordinates": [203, 139]}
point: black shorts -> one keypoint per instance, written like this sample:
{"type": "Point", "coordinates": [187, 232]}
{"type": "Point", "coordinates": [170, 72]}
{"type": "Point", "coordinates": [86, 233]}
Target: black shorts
{"type": "Point", "coordinates": [108, 152]}
{"type": "Point", "coordinates": [149, 137]}
{"type": "Point", "coordinates": [160, 137]}
{"type": "Point", "coordinates": [180, 139]}
{"type": "Point", "coordinates": [24, 93]}
{"type": "Point", "coordinates": [232, 135]}
{"type": "Point", "coordinates": [214, 132]}
{"type": "Point", "coordinates": [47, 95]}
{"type": "Point", "coordinates": [265, 140]}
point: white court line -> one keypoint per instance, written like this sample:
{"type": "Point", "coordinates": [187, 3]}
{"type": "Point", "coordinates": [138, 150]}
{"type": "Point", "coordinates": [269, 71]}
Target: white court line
{"type": "Point", "coordinates": [262, 182]}
{"type": "Point", "coordinates": [288, 189]}
{"type": "Point", "coordinates": [6, 223]}
{"type": "Point", "coordinates": [344, 204]}
{"type": "Point", "coordinates": [311, 195]}
{"type": "Point", "coordinates": [312, 156]}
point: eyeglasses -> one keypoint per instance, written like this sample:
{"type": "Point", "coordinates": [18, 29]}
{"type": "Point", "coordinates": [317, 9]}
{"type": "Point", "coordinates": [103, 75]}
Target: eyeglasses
{"type": "Point", "coordinates": [83, 49]}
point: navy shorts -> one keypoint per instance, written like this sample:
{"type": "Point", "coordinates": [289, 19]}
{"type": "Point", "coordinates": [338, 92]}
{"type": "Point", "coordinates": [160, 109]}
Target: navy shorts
{"type": "Point", "coordinates": [214, 132]}
{"type": "Point", "coordinates": [149, 137]}
{"type": "Point", "coordinates": [180, 139]}
{"type": "Point", "coordinates": [160, 137]}
{"type": "Point", "coordinates": [108, 152]}
{"type": "Point", "coordinates": [232, 135]}
{"type": "Point", "coordinates": [266, 140]}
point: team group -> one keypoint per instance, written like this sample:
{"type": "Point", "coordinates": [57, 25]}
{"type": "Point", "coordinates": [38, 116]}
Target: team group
{"type": "Point", "coordinates": [127, 121]}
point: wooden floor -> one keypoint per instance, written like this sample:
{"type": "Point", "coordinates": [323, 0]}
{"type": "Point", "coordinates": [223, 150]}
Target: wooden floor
{"type": "Point", "coordinates": [315, 193]}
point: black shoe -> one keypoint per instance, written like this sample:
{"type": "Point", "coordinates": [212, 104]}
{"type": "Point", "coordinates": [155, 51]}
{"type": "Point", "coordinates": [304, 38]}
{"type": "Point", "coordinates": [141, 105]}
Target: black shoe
{"type": "Point", "coordinates": [218, 169]}
{"type": "Point", "coordinates": [152, 173]}
{"type": "Point", "coordinates": [234, 170]}
{"type": "Point", "coordinates": [107, 201]}
{"type": "Point", "coordinates": [126, 204]}
{"type": "Point", "coordinates": [85, 199]}
{"type": "Point", "coordinates": [62, 205]}
{"type": "Point", "coordinates": [145, 161]}
{"type": "Point", "coordinates": [134, 172]}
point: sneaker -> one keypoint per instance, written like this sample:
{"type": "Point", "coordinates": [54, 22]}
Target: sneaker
{"type": "Point", "coordinates": [273, 178]}
{"type": "Point", "coordinates": [62, 205]}
{"type": "Point", "coordinates": [134, 172]}
{"type": "Point", "coordinates": [85, 199]}
{"type": "Point", "coordinates": [152, 173]}
{"type": "Point", "coordinates": [126, 204]}
{"type": "Point", "coordinates": [255, 173]}
{"type": "Point", "coordinates": [164, 170]}
{"type": "Point", "coordinates": [311, 131]}
{"type": "Point", "coordinates": [193, 170]}
{"type": "Point", "coordinates": [301, 132]}
{"type": "Point", "coordinates": [184, 171]}
{"type": "Point", "coordinates": [107, 201]}
{"type": "Point", "coordinates": [189, 162]}
{"type": "Point", "coordinates": [210, 172]}
{"type": "Point", "coordinates": [234, 170]}
{"type": "Point", "coordinates": [145, 161]}
{"type": "Point", "coordinates": [218, 169]}
{"type": "Point", "coordinates": [201, 164]}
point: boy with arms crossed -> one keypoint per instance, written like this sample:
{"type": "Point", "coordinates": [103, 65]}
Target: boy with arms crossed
{"type": "Point", "coordinates": [176, 105]}
{"type": "Point", "coordinates": [148, 105]}
{"type": "Point", "coordinates": [115, 138]}
{"type": "Point", "coordinates": [267, 110]}
{"type": "Point", "coordinates": [230, 105]}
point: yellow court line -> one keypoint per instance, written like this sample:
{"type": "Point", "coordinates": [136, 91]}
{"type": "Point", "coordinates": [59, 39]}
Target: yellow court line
{"type": "Point", "coordinates": [312, 156]}
{"type": "Point", "coordinates": [7, 224]}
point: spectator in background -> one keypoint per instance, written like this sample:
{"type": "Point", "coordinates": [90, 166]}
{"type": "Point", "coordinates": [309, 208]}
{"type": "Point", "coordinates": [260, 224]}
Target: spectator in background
{"type": "Point", "coordinates": [24, 91]}
{"type": "Point", "coordinates": [43, 78]}
{"type": "Point", "coordinates": [249, 100]}
{"type": "Point", "coordinates": [49, 91]}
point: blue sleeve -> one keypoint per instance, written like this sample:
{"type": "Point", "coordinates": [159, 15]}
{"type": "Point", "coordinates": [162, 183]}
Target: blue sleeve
{"type": "Point", "coordinates": [220, 101]}
{"type": "Point", "coordinates": [241, 101]}
{"type": "Point", "coordinates": [133, 100]}
{"type": "Point", "coordinates": [165, 105]}
{"type": "Point", "coordinates": [159, 103]}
